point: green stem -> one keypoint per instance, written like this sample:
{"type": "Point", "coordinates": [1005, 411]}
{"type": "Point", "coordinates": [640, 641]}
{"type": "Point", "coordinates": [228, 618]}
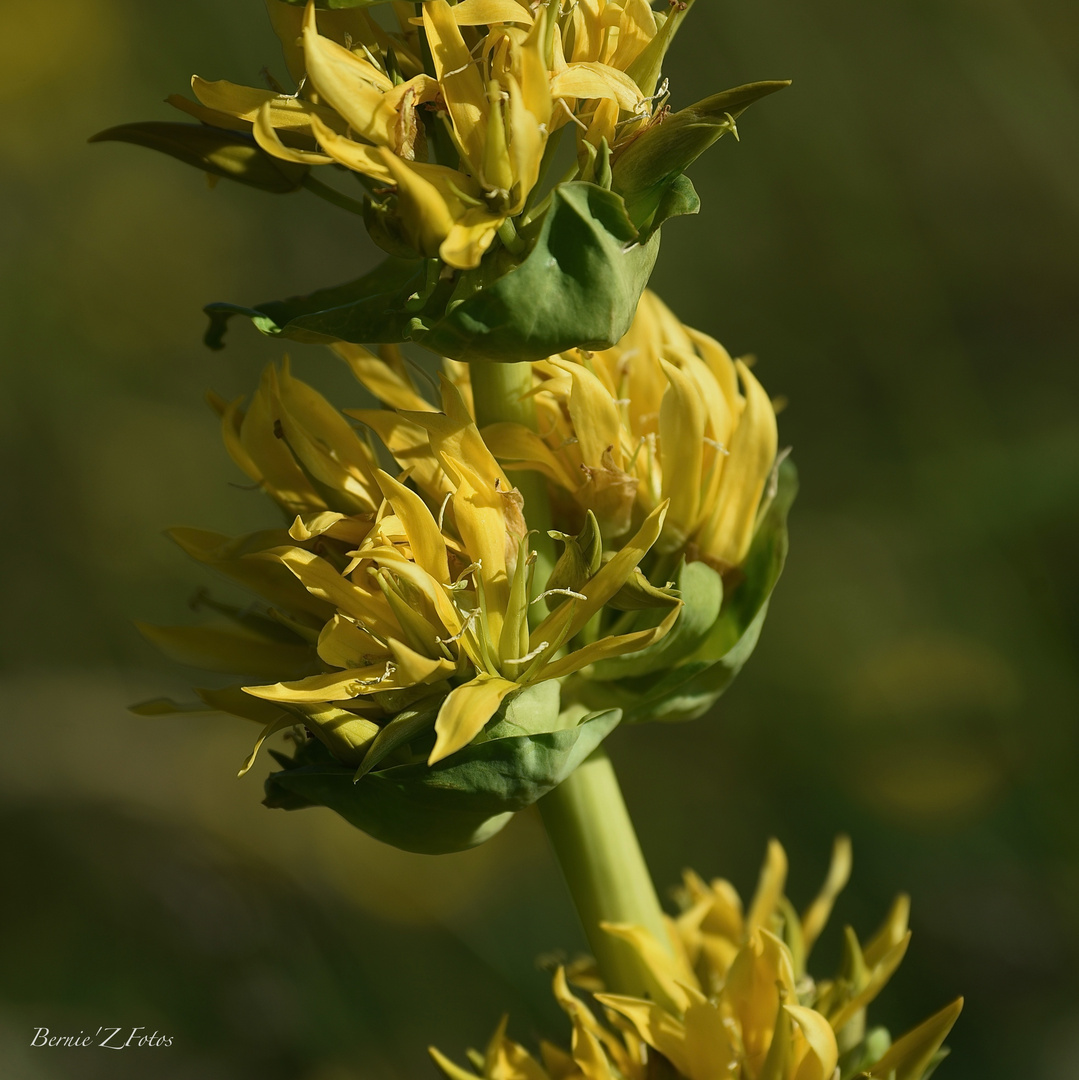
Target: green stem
{"type": "Point", "coordinates": [500, 393]}
{"type": "Point", "coordinates": [593, 838]}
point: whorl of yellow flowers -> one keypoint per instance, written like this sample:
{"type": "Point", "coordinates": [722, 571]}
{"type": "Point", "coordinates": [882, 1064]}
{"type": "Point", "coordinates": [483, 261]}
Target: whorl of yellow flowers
{"type": "Point", "coordinates": [730, 998]}
{"type": "Point", "coordinates": [492, 79]}
{"type": "Point", "coordinates": [424, 589]}
{"type": "Point", "coordinates": [665, 416]}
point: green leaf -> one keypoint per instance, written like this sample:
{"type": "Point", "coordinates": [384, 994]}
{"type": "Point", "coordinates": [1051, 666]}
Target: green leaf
{"type": "Point", "coordinates": [578, 285]}
{"type": "Point", "coordinates": [378, 307]}
{"type": "Point", "coordinates": [645, 171]}
{"type": "Point", "coordinates": [688, 689]}
{"type": "Point", "coordinates": [231, 154]}
{"type": "Point", "coordinates": [454, 805]}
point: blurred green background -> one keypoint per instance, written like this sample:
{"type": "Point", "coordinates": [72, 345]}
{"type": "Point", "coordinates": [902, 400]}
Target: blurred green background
{"type": "Point", "coordinates": [896, 239]}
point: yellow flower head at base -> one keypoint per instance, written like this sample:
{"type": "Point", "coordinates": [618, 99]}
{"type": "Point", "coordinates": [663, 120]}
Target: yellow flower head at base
{"type": "Point", "coordinates": [730, 999]}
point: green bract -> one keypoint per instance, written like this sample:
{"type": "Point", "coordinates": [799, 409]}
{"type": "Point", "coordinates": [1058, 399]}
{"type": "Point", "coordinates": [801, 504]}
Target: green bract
{"type": "Point", "coordinates": [577, 285]}
{"type": "Point", "coordinates": [457, 803]}
{"type": "Point", "coordinates": [682, 676]}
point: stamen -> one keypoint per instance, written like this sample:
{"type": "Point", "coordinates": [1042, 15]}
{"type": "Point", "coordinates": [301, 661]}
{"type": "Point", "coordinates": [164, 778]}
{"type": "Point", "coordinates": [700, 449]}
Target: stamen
{"type": "Point", "coordinates": [559, 592]}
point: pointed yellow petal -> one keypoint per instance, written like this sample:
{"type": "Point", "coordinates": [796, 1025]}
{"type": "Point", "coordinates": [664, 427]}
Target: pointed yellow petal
{"type": "Point", "coordinates": [607, 647]}
{"type": "Point", "coordinates": [416, 668]}
{"type": "Point", "coordinates": [760, 977]}
{"type": "Point", "coordinates": [378, 377]}
{"type": "Point", "coordinates": [570, 617]}
{"type": "Point", "coordinates": [910, 1055]}
{"type": "Point", "coordinates": [229, 649]}
{"type": "Point", "coordinates": [815, 1052]}
{"type": "Point", "coordinates": [488, 12]}
{"type": "Point", "coordinates": [773, 879]}
{"type": "Point", "coordinates": [424, 537]}
{"type": "Point", "coordinates": [594, 415]}
{"type": "Point", "coordinates": [334, 686]}
{"type": "Point", "coordinates": [453, 1072]}
{"type": "Point", "coordinates": [727, 534]}
{"type": "Point", "coordinates": [411, 448]}
{"type": "Point", "coordinates": [877, 980]}
{"type": "Point", "coordinates": [519, 447]}
{"type": "Point", "coordinates": [891, 932]}
{"type": "Point", "coordinates": [344, 644]}
{"type": "Point", "coordinates": [681, 435]}
{"type": "Point", "coordinates": [266, 136]}
{"type": "Point", "coordinates": [656, 1026]}
{"type": "Point", "coordinates": [710, 1053]}
{"type": "Point", "coordinates": [469, 237]}
{"type": "Point", "coordinates": [592, 80]}
{"type": "Point", "coordinates": [816, 915]}
{"type": "Point", "coordinates": [459, 76]}
{"type": "Point", "coordinates": [244, 103]}
{"type": "Point", "coordinates": [667, 974]}
{"type": "Point", "coordinates": [465, 713]}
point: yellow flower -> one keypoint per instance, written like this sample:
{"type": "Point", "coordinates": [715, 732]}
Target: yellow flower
{"type": "Point", "coordinates": [450, 120]}
{"type": "Point", "coordinates": [663, 417]}
{"type": "Point", "coordinates": [730, 1000]}
{"type": "Point", "coordinates": [415, 587]}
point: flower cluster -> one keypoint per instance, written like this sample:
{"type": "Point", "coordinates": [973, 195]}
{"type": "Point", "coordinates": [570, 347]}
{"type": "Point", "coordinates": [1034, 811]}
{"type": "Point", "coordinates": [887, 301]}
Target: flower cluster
{"type": "Point", "coordinates": [403, 612]}
{"type": "Point", "coordinates": [730, 998]}
{"type": "Point", "coordinates": [450, 116]}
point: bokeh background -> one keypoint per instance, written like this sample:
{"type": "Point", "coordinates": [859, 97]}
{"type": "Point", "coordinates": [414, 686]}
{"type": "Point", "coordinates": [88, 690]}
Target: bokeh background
{"type": "Point", "coordinates": [896, 238]}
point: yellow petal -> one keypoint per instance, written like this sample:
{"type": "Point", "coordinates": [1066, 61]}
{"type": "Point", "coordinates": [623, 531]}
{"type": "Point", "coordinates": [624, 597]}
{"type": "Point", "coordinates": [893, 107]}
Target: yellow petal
{"type": "Point", "coordinates": [325, 443]}
{"type": "Point", "coordinates": [910, 1055]}
{"type": "Point", "coordinates": [410, 446]}
{"type": "Point", "coordinates": [890, 933]}
{"type": "Point", "coordinates": [760, 977]}
{"type": "Point", "coordinates": [709, 1052]}
{"type": "Point", "coordinates": [667, 975]}
{"type": "Point", "coordinates": [228, 649]}
{"type": "Point", "coordinates": [519, 447]}
{"type": "Point", "coordinates": [773, 879]}
{"type": "Point", "coordinates": [488, 12]}
{"type": "Point", "coordinates": [594, 415]}
{"type": "Point", "coordinates": [592, 80]}
{"type": "Point", "coordinates": [344, 644]}
{"type": "Point", "coordinates": [378, 377]}
{"type": "Point", "coordinates": [816, 915]}
{"type": "Point", "coordinates": [682, 418]}
{"type": "Point", "coordinates": [272, 461]}
{"type": "Point", "coordinates": [607, 647]}
{"type": "Point", "coordinates": [729, 531]}
{"type": "Point", "coordinates": [322, 579]}
{"type": "Point", "coordinates": [334, 686]}
{"type": "Point", "coordinates": [459, 76]}
{"type": "Point", "coordinates": [266, 136]}
{"type": "Point", "coordinates": [815, 1053]}
{"type": "Point", "coordinates": [570, 617]}
{"type": "Point", "coordinates": [878, 978]}
{"type": "Point", "coordinates": [465, 713]}
{"type": "Point", "coordinates": [469, 238]}
{"type": "Point", "coordinates": [353, 155]}
{"type": "Point", "coordinates": [424, 537]}
{"type": "Point", "coordinates": [453, 1072]}
{"type": "Point", "coordinates": [244, 102]}
{"type": "Point", "coordinates": [416, 668]}
{"type": "Point", "coordinates": [656, 1026]}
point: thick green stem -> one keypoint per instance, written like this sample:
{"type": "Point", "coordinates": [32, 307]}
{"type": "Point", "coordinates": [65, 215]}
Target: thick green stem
{"type": "Point", "coordinates": [593, 838]}
{"type": "Point", "coordinates": [500, 393]}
